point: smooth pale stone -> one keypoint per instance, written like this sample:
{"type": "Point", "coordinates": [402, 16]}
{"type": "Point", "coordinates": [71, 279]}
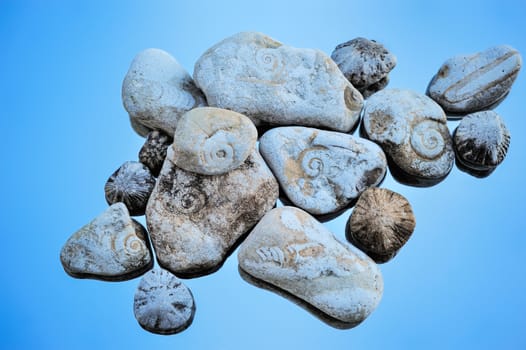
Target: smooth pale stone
{"type": "Point", "coordinates": [470, 83]}
{"type": "Point", "coordinates": [291, 250]}
{"type": "Point", "coordinates": [365, 63]}
{"type": "Point", "coordinates": [322, 171]}
{"type": "Point", "coordinates": [213, 141]}
{"type": "Point", "coordinates": [412, 130]}
{"type": "Point", "coordinates": [257, 76]}
{"type": "Point", "coordinates": [157, 90]}
{"type": "Point", "coordinates": [163, 304]}
{"type": "Point", "coordinates": [111, 247]}
{"type": "Point", "coordinates": [194, 220]}
{"type": "Point", "coordinates": [481, 140]}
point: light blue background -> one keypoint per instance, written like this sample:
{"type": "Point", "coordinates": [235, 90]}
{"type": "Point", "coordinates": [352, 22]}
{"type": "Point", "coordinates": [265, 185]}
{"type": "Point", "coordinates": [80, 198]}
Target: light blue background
{"type": "Point", "coordinates": [458, 283]}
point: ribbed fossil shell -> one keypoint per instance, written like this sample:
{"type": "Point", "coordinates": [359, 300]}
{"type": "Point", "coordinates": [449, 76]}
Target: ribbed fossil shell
{"type": "Point", "coordinates": [381, 223]}
{"type": "Point", "coordinates": [163, 304]}
{"type": "Point", "coordinates": [365, 63]}
{"type": "Point", "coordinates": [153, 151]}
{"type": "Point", "coordinates": [213, 141]}
{"type": "Point", "coordinates": [131, 184]}
{"type": "Point", "coordinates": [481, 140]}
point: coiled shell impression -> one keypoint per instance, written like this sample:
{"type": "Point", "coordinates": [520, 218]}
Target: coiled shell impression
{"type": "Point", "coordinates": [163, 304]}
{"type": "Point", "coordinates": [481, 140]}
{"type": "Point", "coordinates": [153, 151]}
{"type": "Point", "coordinates": [411, 129]}
{"type": "Point", "coordinates": [131, 184]}
{"type": "Point", "coordinates": [213, 141]}
{"type": "Point", "coordinates": [381, 223]}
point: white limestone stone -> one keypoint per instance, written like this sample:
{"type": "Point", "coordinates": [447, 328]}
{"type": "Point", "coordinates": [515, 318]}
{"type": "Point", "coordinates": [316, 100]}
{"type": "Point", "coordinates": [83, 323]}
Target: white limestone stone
{"type": "Point", "coordinates": [157, 90]}
{"type": "Point", "coordinates": [322, 171]}
{"type": "Point", "coordinates": [255, 75]}
{"type": "Point", "coordinates": [213, 141]}
{"type": "Point", "coordinates": [289, 249]}
{"type": "Point", "coordinates": [111, 247]}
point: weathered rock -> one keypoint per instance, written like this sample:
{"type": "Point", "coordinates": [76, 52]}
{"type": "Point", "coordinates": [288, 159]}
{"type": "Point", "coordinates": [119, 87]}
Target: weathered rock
{"type": "Point", "coordinates": [131, 184]}
{"type": "Point", "coordinates": [213, 141]}
{"type": "Point", "coordinates": [470, 83]}
{"type": "Point", "coordinates": [381, 223]}
{"type": "Point", "coordinates": [194, 220]}
{"type": "Point", "coordinates": [412, 130]}
{"type": "Point", "coordinates": [257, 76]}
{"type": "Point", "coordinates": [481, 141]}
{"type": "Point", "coordinates": [163, 304]}
{"type": "Point", "coordinates": [365, 63]}
{"type": "Point", "coordinates": [111, 247]}
{"type": "Point", "coordinates": [153, 151]}
{"type": "Point", "coordinates": [322, 171]}
{"type": "Point", "coordinates": [291, 250]}
{"type": "Point", "coordinates": [157, 90]}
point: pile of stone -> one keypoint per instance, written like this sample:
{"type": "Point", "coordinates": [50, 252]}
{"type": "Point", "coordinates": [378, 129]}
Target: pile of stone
{"type": "Point", "coordinates": [207, 184]}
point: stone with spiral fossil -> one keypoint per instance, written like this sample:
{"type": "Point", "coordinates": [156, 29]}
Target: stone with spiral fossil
{"type": "Point", "coordinates": [322, 171]}
{"type": "Point", "coordinates": [481, 141]}
{"type": "Point", "coordinates": [381, 223]}
{"type": "Point", "coordinates": [290, 250]}
{"type": "Point", "coordinates": [194, 220]}
{"type": "Point", "coordinates": [112, 247]}
{"type": "Point", "coordinates": [470, 83]}
{"type": "Point", "coordinates": [213, 141]}
{"type": "Point", "coordinates": [412, 130]}
{"type": "Point", "coordinates": [131, 184]}
{"type": "Point", "coordinates": [157, 90]}
{"type": "Point", "coordinates": [257, 76]}
{"type": "Point", "coordinates": [163, 304]}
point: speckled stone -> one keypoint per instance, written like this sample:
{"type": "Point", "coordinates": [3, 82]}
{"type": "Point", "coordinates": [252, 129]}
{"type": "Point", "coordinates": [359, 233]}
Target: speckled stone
{"type": "Point", "coordinates": [131, 184]}
{"type": "Point", "coordinates": [157, 90]}
{"type": "Point", "coordinates": [470, 83]}
{"type": "Point", "coordinates": [163, 304]}
{"type": "Point", "coordinates": [194, 220]}
{"type": "Point", "coordinates": [481, 140]}
{"type": "Point", "coordinates": [322, 171]}
{"type": "Point", "coordinates": [291, 250]}
{"type": "Point", "coordinates": [257, 76]}
{"type": "Point", "coordinates": [112, 247]}
{"type": "Point", "coordinates": [381, 223]}
{"type": "Point", "coordinates": [213, 141]}
{"type": "Point", "coordinates": [153, 151]}
{"type": "Point", "coordinates": [412, 130]}
{"type": "Point", "coordinates": [365, 63]}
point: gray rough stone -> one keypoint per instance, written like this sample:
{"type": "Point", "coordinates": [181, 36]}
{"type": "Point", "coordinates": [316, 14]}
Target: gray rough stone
{"type": "Point", "coordinates": [213, 141]}
{"type": "Point", "coordinates": [412, 130]}
{"type": "Point", "coordinates": [153, 151]}
{"type": "Point", "coordinates": [291, 250]}
{"type": "Point", "coordinates": [481, 140]}
{"type": "Point", "coordinates": [322, 171]}
{"type": "Point", "coordinates": [470, 83]}
{"type": "Point", "coordinates": [194, 220]}
{"type": "Point", "coordinates": [365, 63]}
{"type": "Point", "coordinates": [255, 75]}
{"type": "Point", "coordinates": [157, 90]}
{"type": "Point", "coordinates": [112, 247]}
{"type": "Point", "coordinates": [163, 304]}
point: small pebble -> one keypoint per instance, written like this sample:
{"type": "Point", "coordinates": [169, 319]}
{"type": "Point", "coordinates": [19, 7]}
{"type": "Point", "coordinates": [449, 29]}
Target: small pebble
{"type": "Point", "coordinates": [163, 304]}
{"type": "Point", "coordinates": [153, 151]}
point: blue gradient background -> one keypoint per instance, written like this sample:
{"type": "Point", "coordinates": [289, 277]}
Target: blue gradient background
{"type": "Point", "coordinates": [458, 283]}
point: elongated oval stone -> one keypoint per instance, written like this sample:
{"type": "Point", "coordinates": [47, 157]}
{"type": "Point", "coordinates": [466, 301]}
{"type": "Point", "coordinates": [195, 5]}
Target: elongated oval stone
{"type": "Point", "coordinates": [213, 141]}
{"type": "Point", "coordinates": [257, 76]}
{"type": "Point", "coordinates": [157, 90]}
{"type": "Point", "coordinates": [470, 83]}
{"type": "Point", "coordinates": [412, 130]}
{"type": "Point", "coordinates": [163, 304]}
{"type": "Point", "coordinates": [291, 250]}
{"type": "Point", "coordinates": [322, 171]}
{"type": "Point", "coordinates": [194, 220]}
{"type": "Point", "coordinates": [111, 247]}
